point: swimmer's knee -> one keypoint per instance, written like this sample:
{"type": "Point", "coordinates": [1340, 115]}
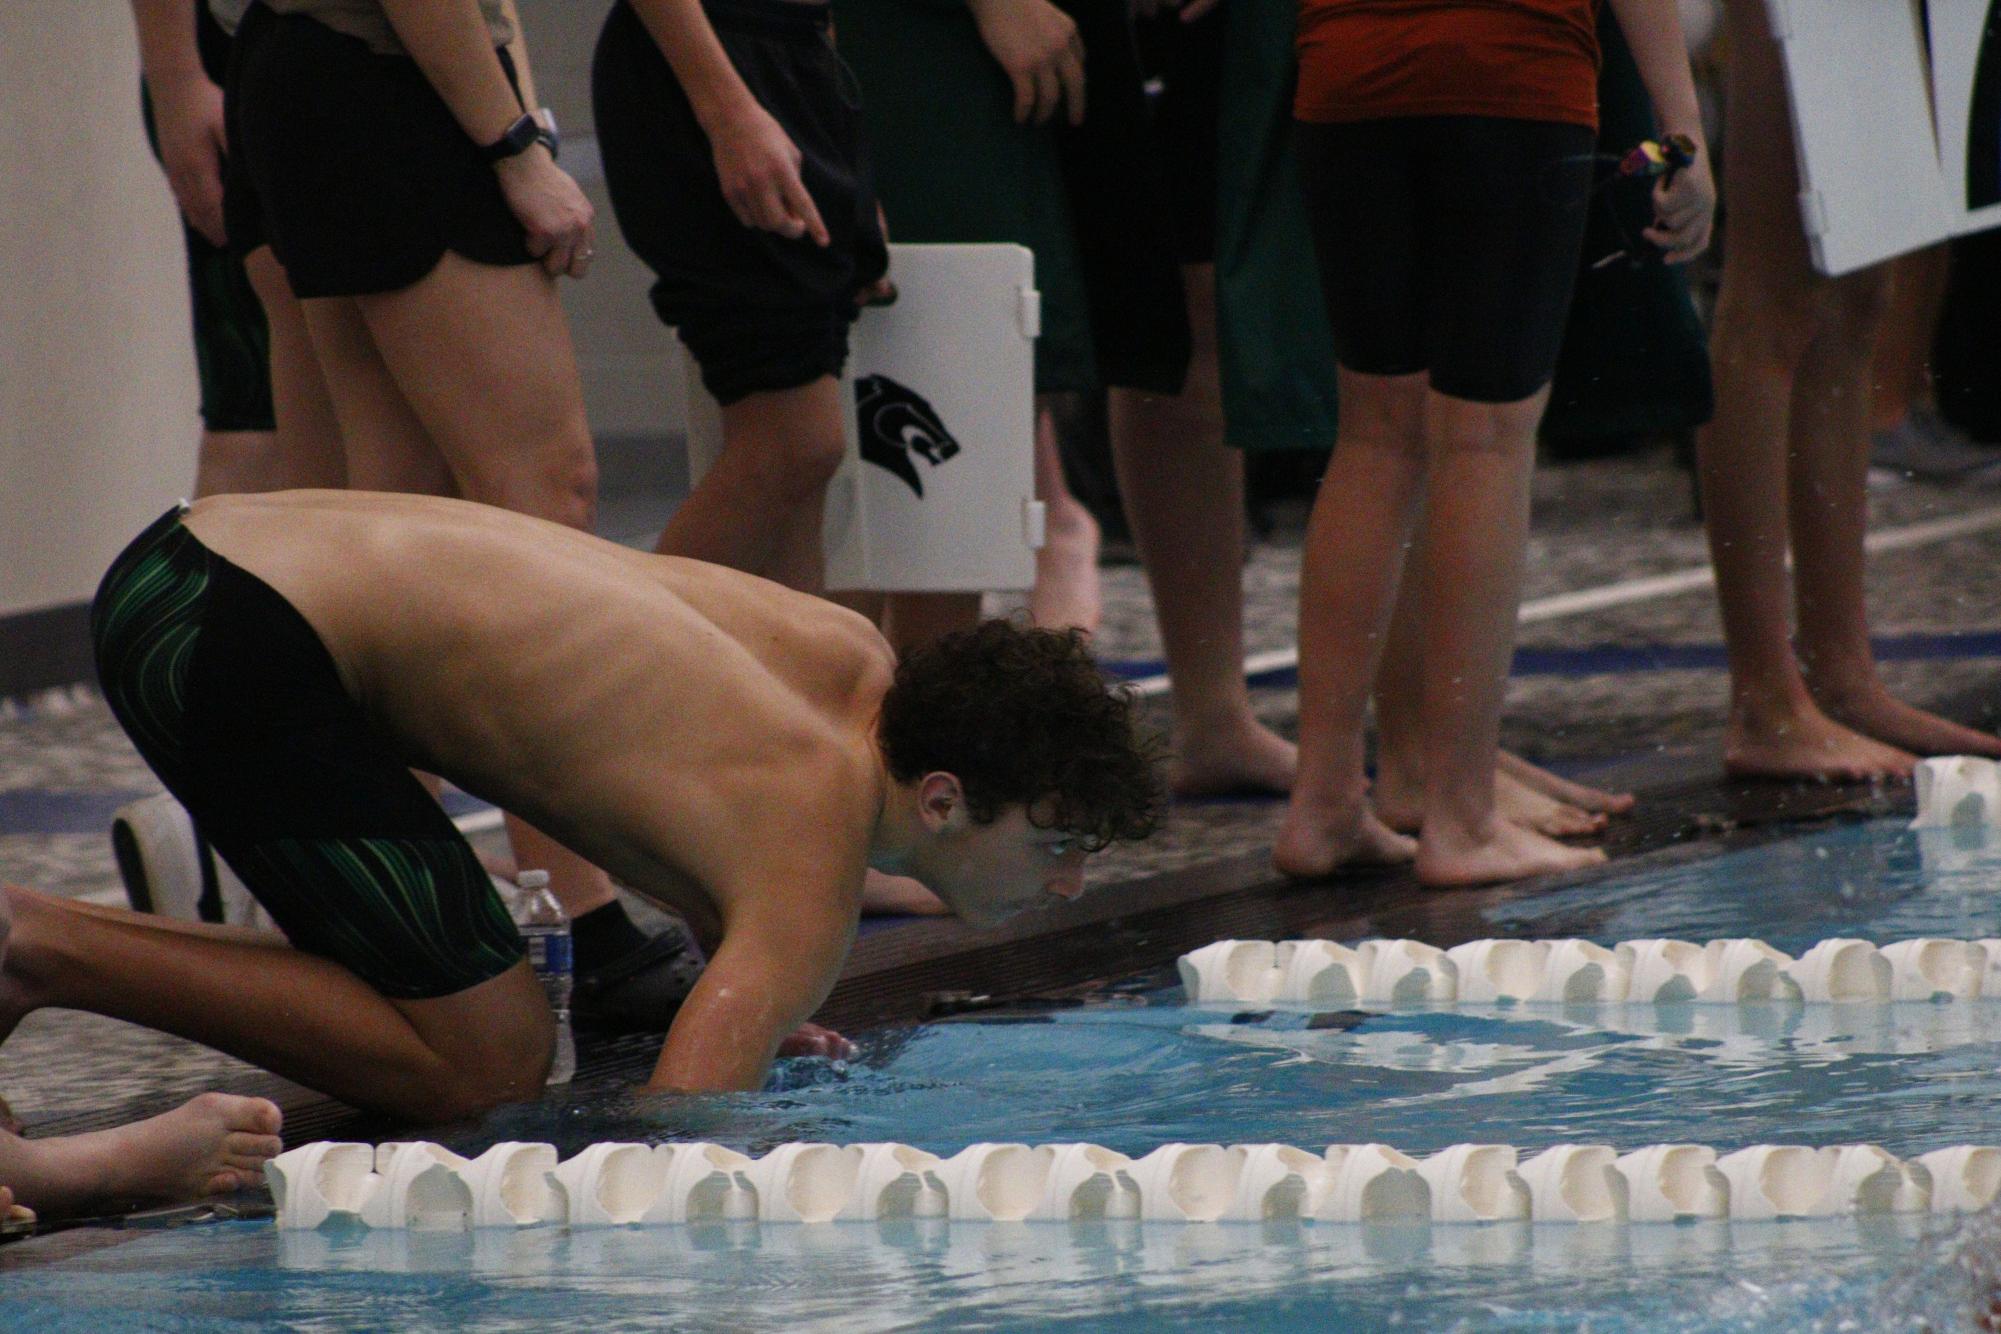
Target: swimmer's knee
{"type": "Point", "coordinates": [468, 1088]}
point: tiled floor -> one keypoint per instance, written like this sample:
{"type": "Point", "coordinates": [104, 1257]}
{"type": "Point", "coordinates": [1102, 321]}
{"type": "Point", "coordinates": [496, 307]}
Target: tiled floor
{"type": "Point", "coordinates": [64, 766]}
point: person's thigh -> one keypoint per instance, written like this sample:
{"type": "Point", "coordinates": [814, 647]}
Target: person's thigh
{"type": "Point", "coordinates": [1359, 183]}
{"type": "Point", "coordinates": [1504, 203]}
{"type": "Point", "coordinates": [385, 446]}
{"type": "Point", "coordinates": [482, 355]}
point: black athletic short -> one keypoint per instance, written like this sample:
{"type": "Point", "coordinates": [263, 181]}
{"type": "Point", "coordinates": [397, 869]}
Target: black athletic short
{"type": "Point", "coordinates": [1449, 244]}
{"type": "Point", "coordinates": [228, 693]}
{"type": "Point", "coordinates": [350, 165]}
{"type": "Point", "coordinates": [1184, 65]}
{"type": "Point", "coordinates": [232, 341]}
{"type": "Point", "coordinates": [758, 311]}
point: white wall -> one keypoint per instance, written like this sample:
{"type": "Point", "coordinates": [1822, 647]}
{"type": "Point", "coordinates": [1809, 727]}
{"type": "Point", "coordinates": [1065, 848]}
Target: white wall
{"type": "Point", "coordinates": [98, 419]}
{"type": "Point", "coordinates": [97, 385]}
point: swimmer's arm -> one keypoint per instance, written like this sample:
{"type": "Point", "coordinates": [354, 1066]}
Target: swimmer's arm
{"type": "Point", "coordinates": [766, 979]}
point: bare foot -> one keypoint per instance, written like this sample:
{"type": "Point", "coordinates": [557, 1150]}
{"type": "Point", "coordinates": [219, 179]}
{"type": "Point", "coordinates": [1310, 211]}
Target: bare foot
{"type": "Point", "coordinates": [14, 1002]}
{"type": "Point", "coordinates": [1401, 807]}
{"type": "Point", "coordinates": [813, 1040]}
{"type": "Point", "coordinates": [209, 1145]}
{"type": "Point", "coordinates": [1500, 852]}
{"type": "Point", "coordinates": [11, 1212]}
{"type": "Point", "coordinates": [1066, 589]}
{"type": "Point", "coordinates": [886, 894]}
{"type": "Point", "coordinates": [1879, 714]}
{"type": "Point", "coordinates": [1317, 840]}
{"type": "Point", "coordinates": [1250, 759]}
{"type": "Point", "coordinates": [1808, 746]}
{"type": "Point", "coordinates": [1580, 795]}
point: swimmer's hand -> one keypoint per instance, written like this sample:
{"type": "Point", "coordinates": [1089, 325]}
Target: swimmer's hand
{"type": "Point", "coordinates": [188, 112]}
{"type": "Point", "coordinates": [1037, 44]}
{"type": "Point", "coordinates": [813, 1040]}
{"type": "Point", "coordinates": [1684, 210]}
{"type": "Point", "coordinates": [551, 209]}
{"type": "Point", "coordinates": [758, 165]}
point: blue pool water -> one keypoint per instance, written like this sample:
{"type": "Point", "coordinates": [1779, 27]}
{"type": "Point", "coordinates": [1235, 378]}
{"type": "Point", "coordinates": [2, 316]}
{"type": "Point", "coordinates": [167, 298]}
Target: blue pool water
{"type": "Point", "coordinates": [1139, 1072]}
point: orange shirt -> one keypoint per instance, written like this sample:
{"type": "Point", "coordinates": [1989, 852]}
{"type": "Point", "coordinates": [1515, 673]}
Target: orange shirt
{"type": "Point", "coordinates": [1521, 59]}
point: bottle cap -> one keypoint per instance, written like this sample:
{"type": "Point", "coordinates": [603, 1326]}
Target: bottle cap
{"type": "Point", "coordinates": [532, 880]}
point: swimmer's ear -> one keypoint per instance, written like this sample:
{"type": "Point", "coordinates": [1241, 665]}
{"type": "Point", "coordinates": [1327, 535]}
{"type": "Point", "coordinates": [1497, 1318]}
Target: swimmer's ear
{"type": "Point", "coordinates": [941, 801]}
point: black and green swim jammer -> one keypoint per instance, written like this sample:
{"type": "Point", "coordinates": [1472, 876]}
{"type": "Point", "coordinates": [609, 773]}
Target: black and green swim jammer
{"type": "Point", "coordinates": [229, 694]}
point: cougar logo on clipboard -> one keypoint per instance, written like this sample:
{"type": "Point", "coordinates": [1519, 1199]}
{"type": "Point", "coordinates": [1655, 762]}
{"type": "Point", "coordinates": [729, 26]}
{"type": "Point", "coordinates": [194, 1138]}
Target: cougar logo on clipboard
{"type": "Point", "coordinates": [897, 427]}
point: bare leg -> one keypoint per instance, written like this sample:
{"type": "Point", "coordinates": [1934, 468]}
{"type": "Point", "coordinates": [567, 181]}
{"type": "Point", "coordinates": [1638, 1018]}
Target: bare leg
{"type": "Point", "coordinates": [760, 507]}
{"type": "Point", "coordinates": [304, 448]}
{"type": "Point", "coordinates": [210, 1145]}
{"type": "Point", "coordinates": [1768, 312]}
{"type": "Point", "coordinates": [475, 389]}
{"type": "Point", "coordinates": [1184, 496]}
{"type": "Point", "coordinates": [1355, 543]}
{"type": "Point", "coordinates": [304, 1017]}
{"type": "Point", "coordinates": [1523, 792]}
{"type": "Point", "coordinates": [1066, 569]}
{"type": "Point", "coordinates": [1481, 456]}
{"type": "Point", "coordinates": [307, 442]}
{"type": "Point", "coordinates": [910, 619]}
{"type": "Point", "coordinates": [1900, 369]}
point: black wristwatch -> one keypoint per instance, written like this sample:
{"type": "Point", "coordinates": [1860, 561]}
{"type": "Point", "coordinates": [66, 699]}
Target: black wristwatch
{"type": "Point", "coordinates": [521, 136]}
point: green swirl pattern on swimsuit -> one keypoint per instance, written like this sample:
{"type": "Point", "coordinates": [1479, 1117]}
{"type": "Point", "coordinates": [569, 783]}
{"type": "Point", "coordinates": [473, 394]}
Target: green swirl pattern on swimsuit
{"type": "Point", "coordinates": [144, 623]}
{"type": "Point", "coordinates": [415, 918]}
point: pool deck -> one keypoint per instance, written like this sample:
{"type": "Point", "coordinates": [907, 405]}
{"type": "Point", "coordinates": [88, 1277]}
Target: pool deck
{"type": "Point", "coordinates": [1653, 729]}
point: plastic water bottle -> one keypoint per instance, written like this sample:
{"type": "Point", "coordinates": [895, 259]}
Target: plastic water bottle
{"type": "Point", "coordinates": [546, 930]}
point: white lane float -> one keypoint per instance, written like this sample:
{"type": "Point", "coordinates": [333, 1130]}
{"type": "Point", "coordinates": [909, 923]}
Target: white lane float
{"type": "Point", "coordinates": [1957, 792]}
{"type": "Point", "coordinates": [1666, 1183]}
{"type": "Point", "coordinates": [1731, 971]}
{"type": "Point", "coordinates": [514, 1185]}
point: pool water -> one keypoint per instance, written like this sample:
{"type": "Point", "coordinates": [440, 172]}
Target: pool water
{"type": "Point", "coordinates": [1142, 1070]}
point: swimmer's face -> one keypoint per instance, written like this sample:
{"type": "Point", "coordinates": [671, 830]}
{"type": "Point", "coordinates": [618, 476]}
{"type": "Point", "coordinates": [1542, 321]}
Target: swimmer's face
{"type": "Point", "coordinates": [987, 873]}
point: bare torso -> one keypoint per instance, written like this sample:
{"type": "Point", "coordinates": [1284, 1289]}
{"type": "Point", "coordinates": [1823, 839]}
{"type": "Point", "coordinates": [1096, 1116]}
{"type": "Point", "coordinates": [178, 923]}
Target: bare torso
{"type": "Point", "coordinates": [705, 736]}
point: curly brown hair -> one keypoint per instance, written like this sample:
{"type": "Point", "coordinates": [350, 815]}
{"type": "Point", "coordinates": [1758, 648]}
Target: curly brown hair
{"type": "Point", "coordinates": [1023, 717]}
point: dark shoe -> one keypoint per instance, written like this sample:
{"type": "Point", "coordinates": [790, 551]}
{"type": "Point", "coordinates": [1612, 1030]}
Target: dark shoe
{"type": "Point", "coordinates": [642, 991]}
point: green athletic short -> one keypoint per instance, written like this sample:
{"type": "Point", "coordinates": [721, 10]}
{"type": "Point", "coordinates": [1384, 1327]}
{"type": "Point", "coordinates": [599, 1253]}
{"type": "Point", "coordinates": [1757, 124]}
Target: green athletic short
{"type": "Point", "coordinates": [230, 696]}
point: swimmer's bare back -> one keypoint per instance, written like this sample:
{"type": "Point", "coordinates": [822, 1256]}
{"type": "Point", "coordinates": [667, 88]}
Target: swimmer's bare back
{"type": "Point", "coordinates": [689, 728]}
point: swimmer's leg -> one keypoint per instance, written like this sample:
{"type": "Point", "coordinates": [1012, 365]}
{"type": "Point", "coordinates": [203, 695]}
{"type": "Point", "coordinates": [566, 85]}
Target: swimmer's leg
{"type": "Point", "coordinates": [1067, 592]}
{"type": "Point", "coordinates": [759, 508]}
{"type": "Point", "coordinates": [1183, 489]}
{"type": "Point", "coordinates": [299, 1015]}
{"type": "Point", "coordinates": [210, 1145]}
{"type": "Point", "coordinates": [1770, 311]}
{"type": "Point", "coordinates": [1480, 459]}
{"type": "Point", "coordinates": [1355, 542]}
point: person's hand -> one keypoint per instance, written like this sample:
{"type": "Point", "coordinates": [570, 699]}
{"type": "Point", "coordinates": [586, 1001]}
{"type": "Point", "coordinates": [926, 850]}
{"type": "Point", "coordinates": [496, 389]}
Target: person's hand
{"type": "Point", "coordinates": [188, 114]}
{"type": "Point", "coordinates": [813, 1040]}
{"type": "Point", "coordinates": [758, 165]}
{"type": "Point", "coordinates": [1037, 44]}
{"type": "Point", "coordinates": [552, 209]}
{"type": "Point", "coordinates": [1684, 210]}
